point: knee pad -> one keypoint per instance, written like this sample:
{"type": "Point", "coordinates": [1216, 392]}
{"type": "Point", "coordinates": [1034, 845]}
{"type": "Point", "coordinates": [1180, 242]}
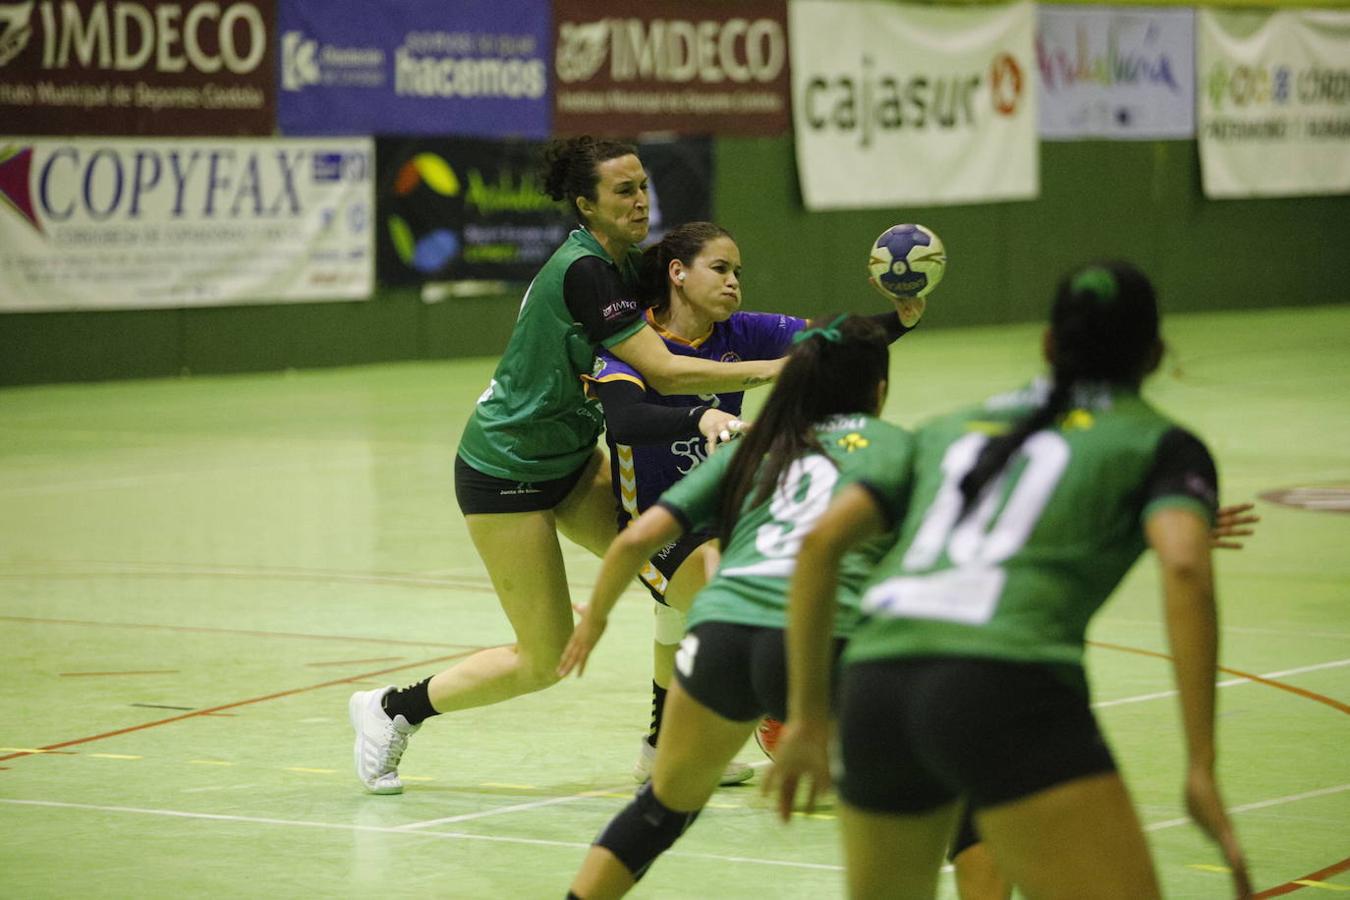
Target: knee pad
{"type": "Point", "coordinates": [643, 830]}
{"type": "Point", "coordinates": [669, 625]}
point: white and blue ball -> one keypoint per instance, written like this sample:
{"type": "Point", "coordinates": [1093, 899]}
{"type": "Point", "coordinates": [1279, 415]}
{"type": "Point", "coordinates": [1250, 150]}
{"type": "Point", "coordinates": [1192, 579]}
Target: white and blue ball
{"type": "Point", "coordinates": [907, 261]}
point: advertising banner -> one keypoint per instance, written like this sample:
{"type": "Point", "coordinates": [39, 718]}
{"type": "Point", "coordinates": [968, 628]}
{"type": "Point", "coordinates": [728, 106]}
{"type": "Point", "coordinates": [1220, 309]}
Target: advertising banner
{"type": "Point", "coordinates": [1125, 72]}
{"type": "Point", "coordinates": [469, 210]}
{"type": "Point", "coordinates": [137, 67]}
{"type": "Point", "coordinates": [1274, 102]}
{"type": "Point", "coordinates": [126, 223]}
{"type": "Point", "coordinates": [913, 105]}
{"type": "Point", "coordinates": [678, 66]}
{"type": "Point", "coordinates": [474, 67]}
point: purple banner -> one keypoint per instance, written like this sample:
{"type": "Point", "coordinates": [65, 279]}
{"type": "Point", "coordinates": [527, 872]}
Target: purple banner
{"type": "Point", "coordinates": [477, 68]}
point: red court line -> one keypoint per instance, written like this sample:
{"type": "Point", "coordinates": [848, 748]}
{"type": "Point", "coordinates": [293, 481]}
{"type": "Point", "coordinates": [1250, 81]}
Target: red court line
{"type": "Point", "coordinates": [33, 620]}
{"type": "Point", "coordinates": [237, 703]}
{"type": "Point", "coordinates": [352, 662]}
{"type": "Point", "coordinates": [1289, 886]}
{"type": "Point", "coordinates": [1293, 689]}
{"type": "Point", "coordinates": [1319, 875]}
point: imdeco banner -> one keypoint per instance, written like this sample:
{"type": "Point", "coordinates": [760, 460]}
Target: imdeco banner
{"type": "Point", "coordinates": [1274, 117]}
{"type": "Point", "coordinates": [143, 224]}
{"type": "Point", "coordinates": [684, 67]}
{"type": "Point", "coordinates": [897, 105]}
{"type": "Point", "coordinates": [146, 67]}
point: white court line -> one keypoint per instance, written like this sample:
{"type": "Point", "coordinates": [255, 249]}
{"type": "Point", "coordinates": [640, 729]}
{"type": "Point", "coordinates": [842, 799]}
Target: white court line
{"type": "Point", "coordinates": [517, 807]}
{"type": "Point", "coordinates": [443, 835]}
{"type": "Point", "coordinates": [456, 835]}
{"type": "Point", "coordinates": [1140, 698]}
{"type": "Point", "coordinates": [1262, 804]}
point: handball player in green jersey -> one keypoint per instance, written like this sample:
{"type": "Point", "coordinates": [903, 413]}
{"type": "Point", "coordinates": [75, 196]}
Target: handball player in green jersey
{"type": "Point", "coordinates": [964, 681]}
{"type": "Point", "coordinates": [528, 465]}
{"type": "Point", "coordinates": [816, 434]}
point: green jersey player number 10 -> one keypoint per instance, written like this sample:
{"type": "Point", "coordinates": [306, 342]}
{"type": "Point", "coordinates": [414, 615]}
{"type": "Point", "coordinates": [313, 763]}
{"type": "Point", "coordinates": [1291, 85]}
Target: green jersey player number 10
{"type": "Point", "coordinates": [968, 587]}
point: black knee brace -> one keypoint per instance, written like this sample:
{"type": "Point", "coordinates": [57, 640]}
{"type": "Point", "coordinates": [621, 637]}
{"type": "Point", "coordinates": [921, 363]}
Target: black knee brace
{"type": "Point", "coordinates": [643, 830]}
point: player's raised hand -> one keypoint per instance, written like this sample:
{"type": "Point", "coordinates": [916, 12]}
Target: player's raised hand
{"type": "Point", "coordinates": [1230, 523]}
{"type": "Point", "coordinates": [802, 753]}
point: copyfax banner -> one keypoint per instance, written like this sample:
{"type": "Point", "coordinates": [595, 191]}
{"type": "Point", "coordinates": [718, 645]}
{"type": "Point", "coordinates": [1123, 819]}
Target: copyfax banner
{"type": "Point", "coordinates": [143, 224]}
{"type": "Point", "coordinates": [137, 67]}
{"type": "Point", "coordinates": [1126, 73]}
{"type": "Point", "coordinates": [1274, 89]}
{"type": "Point", "coordinates": [477, 68]}
{"type": "Point", "coordinates": [898, 105]}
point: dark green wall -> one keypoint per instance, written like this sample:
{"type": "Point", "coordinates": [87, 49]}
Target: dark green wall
{"type": "Point", "coordinates": [1139, 200]}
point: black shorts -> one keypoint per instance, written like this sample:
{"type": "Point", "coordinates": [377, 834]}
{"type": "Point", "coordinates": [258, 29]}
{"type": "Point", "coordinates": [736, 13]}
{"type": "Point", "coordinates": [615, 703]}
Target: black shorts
{"type": "Point", "coordinates": [479, 493]}
{"type": "Point", "coordinates": [918, 733]}
{"type": "Point", "coordinates": [669, 558]}
{"type": "Point", "coordinates": [737, 671]}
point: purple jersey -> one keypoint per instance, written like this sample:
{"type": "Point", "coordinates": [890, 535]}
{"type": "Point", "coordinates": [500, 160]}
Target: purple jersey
{"type": "Point", "coordinates": [642, 473]}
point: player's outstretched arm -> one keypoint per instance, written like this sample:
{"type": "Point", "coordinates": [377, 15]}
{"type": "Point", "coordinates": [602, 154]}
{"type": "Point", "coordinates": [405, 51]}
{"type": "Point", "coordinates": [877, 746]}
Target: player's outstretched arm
{"type": "Point", "coordinates": [669, 374]}
{"type": "Point", "coordinates": [1181, 540]}
{"type": "Point", "coordinates": [635, 544]}
{"type": "Point", "coordinates": [802, 758]}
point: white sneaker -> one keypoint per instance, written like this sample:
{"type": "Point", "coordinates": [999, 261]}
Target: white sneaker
{"type": "Point", "coordinates": [735, 772]}
{"type": "Point", "coordinates": [380, 741]}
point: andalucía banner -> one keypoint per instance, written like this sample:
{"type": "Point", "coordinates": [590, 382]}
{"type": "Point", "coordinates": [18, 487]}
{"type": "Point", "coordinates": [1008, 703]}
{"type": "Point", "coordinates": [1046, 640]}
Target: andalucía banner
{"type": "Point", "coordinates": [1274, 91]}
{"type": "Point", "coordinates": [897, 105]}
{"type": "Point", "coordinates": [123, 223]}
{"type": "Point", "coordinates": [1120, 72]}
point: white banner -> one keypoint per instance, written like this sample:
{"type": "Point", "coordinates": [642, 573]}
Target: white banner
{"type": "Point", "coordinates": [1274, 90]}
{"type": "Point", "coordinates": [912, 105]}
{"type": "Point", "coordinates": [152, 223]}
{"type": "Point", "coordinates": [1116, 72]}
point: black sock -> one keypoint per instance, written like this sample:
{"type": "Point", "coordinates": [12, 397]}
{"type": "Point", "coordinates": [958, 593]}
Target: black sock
{"type": "Point", "coordinates": [658, 710]}
{"type": "Point", "coordinates": [412, 703]}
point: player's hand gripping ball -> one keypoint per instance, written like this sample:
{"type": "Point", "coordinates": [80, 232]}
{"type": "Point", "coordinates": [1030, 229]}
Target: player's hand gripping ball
{"type": "Point", "coordinates": [907, 261]}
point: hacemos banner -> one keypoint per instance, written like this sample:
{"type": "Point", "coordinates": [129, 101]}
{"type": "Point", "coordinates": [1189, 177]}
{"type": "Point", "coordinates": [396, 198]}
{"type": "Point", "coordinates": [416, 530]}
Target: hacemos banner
{"type": "Point", "coordinates": [147, 223]}
{"type": "Point", "coordinates": [476, 68]}
{"type": "Point", "coordinates": [897, 105]}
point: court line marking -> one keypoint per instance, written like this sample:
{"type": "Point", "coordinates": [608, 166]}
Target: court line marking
{"type": "Point", "coordinates": [516, 807]}
{"type": "Point", "coordinates": [459, 835]}
{"type": "Point", "coordinates": [1261, 679]}
{"type": "Point", "coordinates": [1240, 629]}
{"type": "Point", "coordinates": [1260, 804]}
{"type": "Point", "coordinates": [204, 629]}
{"type": "Point", "coordinates": [1311, 880]}
{"type": "Point", "coordinates": [1223, 684]}
{"type": "Point", "coordinates": [215, 709]}
{"type": "Point", "coordinates": [389, 829]}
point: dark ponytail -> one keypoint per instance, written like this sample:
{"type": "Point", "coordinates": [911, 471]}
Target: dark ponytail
{"type": "Point", "coordinates": [1105, 327]}
{"type": "Point", "coordinates": [833, 369]}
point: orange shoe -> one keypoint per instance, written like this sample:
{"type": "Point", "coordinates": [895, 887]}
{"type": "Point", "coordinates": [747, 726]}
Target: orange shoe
{"type": "Point", "coordinates": [766, 735]}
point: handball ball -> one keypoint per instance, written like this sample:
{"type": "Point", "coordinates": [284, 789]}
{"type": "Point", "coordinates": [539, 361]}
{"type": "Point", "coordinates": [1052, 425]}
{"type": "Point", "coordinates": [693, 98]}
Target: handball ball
{"type": "Point", "coordinates": [907, 261]}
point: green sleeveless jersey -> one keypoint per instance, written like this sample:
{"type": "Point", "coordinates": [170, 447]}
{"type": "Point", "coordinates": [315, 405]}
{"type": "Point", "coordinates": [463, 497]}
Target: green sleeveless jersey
{"type": "Point", "coordinates": [534, 421]}
{"type": "Point", "coordinates": [750, 587]}
{"type": "Point", "coordinates": [1019, 577]}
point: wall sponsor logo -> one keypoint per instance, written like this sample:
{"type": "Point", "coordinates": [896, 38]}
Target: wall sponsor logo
{"type": "Point", "coordinates": [723, 69]}
{"type": "Point", "coordinates": [122, 223]}
{"type": "Point", "coordinates": [867, 101]}
{"type": "Point", "coordinates": [129, 36]}
{"type": "Point", "coordinates": [365, 69]}
{"type": "Point", "coordinates": [930, 105]}
{"type": "Point", "coordinates": [137, 67]}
